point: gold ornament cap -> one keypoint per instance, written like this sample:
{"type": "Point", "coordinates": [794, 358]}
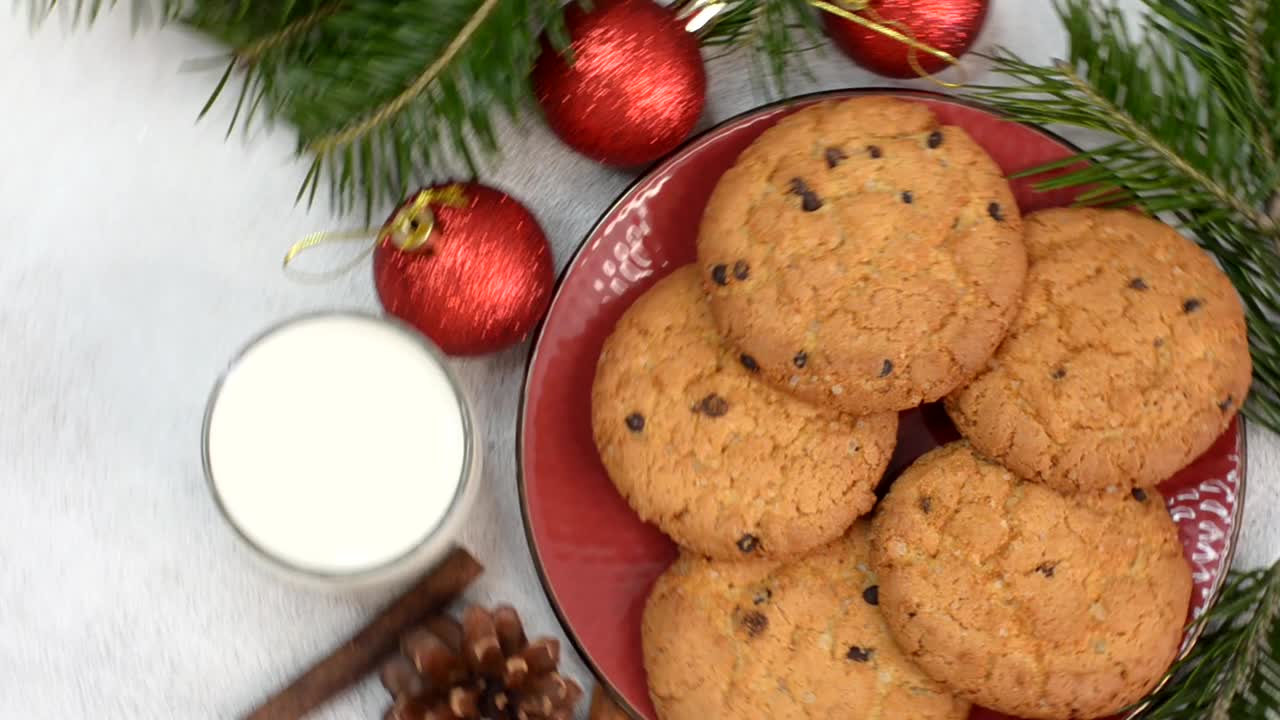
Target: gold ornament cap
{"type": "Point", "coordinates": [411, 227]}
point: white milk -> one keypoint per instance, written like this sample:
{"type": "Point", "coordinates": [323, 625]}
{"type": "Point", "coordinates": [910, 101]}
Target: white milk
{"type": "Point", "coordinates": [337, 444]}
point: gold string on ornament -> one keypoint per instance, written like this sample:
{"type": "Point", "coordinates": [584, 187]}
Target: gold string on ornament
{"type": "Point", "coordinates": [409, 230]}
{"type": "Point", "coordinates": [885, 27]}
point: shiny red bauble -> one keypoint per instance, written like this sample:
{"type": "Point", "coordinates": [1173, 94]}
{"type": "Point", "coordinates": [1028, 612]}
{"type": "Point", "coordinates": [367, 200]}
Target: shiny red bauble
{"type": "Point", "coordinates": [482, 279]}
{"type": "Point", "coordinates": [636, 85]}
{"type": "Point", "coordinates": [947, 25]}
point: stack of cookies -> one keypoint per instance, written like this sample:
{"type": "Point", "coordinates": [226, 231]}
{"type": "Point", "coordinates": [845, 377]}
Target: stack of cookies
{"type": "Point", "coordinates": [861, 259]}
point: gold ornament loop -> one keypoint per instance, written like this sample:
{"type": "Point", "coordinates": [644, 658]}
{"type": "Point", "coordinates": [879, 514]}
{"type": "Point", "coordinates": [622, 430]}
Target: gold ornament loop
{"type": "Point", "coordinates": [886, 27]}
{"type": "Point", "coordinates": [409, 230]}
{"type": "Point", "coordinates": [411, 227]}
{"type": "Point", "coordinates": [326, 238]}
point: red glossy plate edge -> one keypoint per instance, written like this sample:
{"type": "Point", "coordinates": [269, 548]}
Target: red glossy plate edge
{"type": "Point", "coordinates": [1238, 424]}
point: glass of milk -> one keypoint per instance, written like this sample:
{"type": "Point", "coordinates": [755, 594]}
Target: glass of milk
{"type": "Point", "coordinates": [341, 449]}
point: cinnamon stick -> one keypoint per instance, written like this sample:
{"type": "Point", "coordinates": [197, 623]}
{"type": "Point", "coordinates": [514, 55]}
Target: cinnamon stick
{"type": "Point", "coordinates": [351, 661]}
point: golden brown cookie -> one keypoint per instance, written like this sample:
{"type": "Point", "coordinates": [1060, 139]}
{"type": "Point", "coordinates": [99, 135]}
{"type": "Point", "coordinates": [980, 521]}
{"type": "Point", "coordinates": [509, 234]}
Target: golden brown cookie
{"type": "Point", "coordinates": [724, 464]}
{"type": "Point", "coordinates": [1021, 599]}
{"type": "Point", "coordinates": [1128, 358]}
{"type": "Point", "coordinates": [760, 639]}
{"type": "Point", "coordinates": [865, 256]}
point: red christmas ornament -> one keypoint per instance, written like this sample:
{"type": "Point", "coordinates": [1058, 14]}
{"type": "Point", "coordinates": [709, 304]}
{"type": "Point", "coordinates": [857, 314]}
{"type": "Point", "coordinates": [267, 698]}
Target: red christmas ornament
{"type": "Point", "coordinates": [465, 264]}
{"type": "Point", "coordinates": [947, 25]}
{"type": "Point", "coordinates": [635, 89]}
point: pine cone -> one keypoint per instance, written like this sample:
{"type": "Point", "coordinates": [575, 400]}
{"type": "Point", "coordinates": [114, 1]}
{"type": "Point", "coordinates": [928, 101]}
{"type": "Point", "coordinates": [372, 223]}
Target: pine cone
{"type": "Point", "coordinates": [484, 668]}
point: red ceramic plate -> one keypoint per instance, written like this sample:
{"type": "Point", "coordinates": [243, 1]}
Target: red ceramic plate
{"type": "Point", "coordinates": [596, 558]}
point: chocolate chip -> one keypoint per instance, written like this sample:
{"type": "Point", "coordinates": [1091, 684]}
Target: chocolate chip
{"type": "Point", "coordinates": [635, 421]}
{"type": "Point", "coordinates": [809, 200]}
{"type": "Point", "coordinates": [741, 269]}
{"type": "Point", "coordinates": [1046, 568]}
{"type": "Point", "coordinates": [1225, 405]}
{"type": "Point", "coordinates": [1192, 305]}
{"type": "Point", "coordinates": [994, 211]}
{"type": "Point", "coordinates": [834, 155]}
{"type": "Point", "coordinates": [1158, 342]}
{"type": "Point", "coordinates": [926, 503]}
{"type": "Point", "coordinates": [935, 138]}
{"type": "Point", "coordinates": [748, 543]}
{"type": "Point", "coordinates": [801, 359]}
{"type": "Point", "coordinates": [749, 362]}
{"type": "Point", "coordinates": [720, 274]}
{"type": "Point", "coordinates": [874, 152]}
{"type": "Point", "coordinates": [872, 595]}
{"type": "Point", "coordinates": [1059, 373]}
{"type": "Point", "coordinates": [713, 406]}
{"type": "Point", "coordinates": [754, 622]}
{"type": "Point", "coordinates": [858, 654]}
{"type": "Point", "coordinates": [907, 197]}
{"type": "Point", "coordinates": [1137, 284]}
{"type": "Point", "coordinates": [762, 596]}
{"type": "Point", "coordinates": [886, 368]}
{"type": "Point", "coordinates": [1139, 494]}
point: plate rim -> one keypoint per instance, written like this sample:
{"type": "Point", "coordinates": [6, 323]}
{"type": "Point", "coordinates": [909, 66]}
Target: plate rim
{"type": "Point", "coordinates": [563, 275]}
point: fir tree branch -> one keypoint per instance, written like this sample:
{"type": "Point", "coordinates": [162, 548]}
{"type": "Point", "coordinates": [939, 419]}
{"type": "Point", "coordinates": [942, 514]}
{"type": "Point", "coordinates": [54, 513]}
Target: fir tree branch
{"type": "Point", "coordinates": [346, 136]}
{"type": "Point", "coordinates": [142, 11]}
{"type": "Point", "coordinates": [384, 96]}
{"type": "Point", "coordinates": [1124, 124]}
{"type": "Point", "coordinates": [1253, 55]}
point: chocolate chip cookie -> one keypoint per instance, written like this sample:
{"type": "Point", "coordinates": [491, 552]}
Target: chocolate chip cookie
{"type": "Point", "coordinates": [867, 257]}
{"type": "Point", "coordinates": [1024, 600]}
{"type": "Point", "coordinates": [1127, 359]}
{"type": "Point", "coordinates": [723, 463]}
{"type": "Point", "coordinates": [760, 639]}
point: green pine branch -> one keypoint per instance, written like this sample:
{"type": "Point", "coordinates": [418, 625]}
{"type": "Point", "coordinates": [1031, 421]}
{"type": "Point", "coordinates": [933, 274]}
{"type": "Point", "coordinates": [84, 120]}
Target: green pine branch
{"type": "Point", "coordinates": [775, 32]}
{"type": "Point", "coordinates": [1191, 109]}
{"type": "Point", "coordinates": [143, 12]}
{"type": "Point", "coordinates": [383, 95]}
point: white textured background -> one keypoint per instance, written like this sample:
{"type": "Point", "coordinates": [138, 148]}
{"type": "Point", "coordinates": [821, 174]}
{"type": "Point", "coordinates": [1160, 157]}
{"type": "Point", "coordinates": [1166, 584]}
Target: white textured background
{"type": "Point", "coordinates": [138, 251]}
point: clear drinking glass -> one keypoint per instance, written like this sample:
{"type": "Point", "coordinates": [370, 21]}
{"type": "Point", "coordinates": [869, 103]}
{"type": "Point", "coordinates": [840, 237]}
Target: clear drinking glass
{"type": "Point", "coordinates": [275, 426]}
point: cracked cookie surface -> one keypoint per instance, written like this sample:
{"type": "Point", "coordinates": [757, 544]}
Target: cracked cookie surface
{"type": "Point", "coordinates": [776, 641]}
{"type": "Point", "coordinates": [1024, 600]}
{"type": "Point", "coordinates": [1127, 359]}
{"type": "Point", "coordinates": [867, 257]}
{"type": "Point", "coordinates": [721, 462]}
